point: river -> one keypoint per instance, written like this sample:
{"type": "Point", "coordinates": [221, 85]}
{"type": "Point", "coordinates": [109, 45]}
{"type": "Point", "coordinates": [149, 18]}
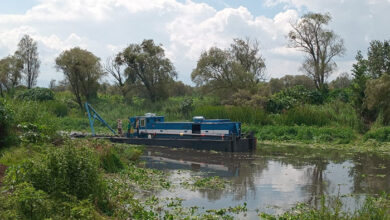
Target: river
{"type": "Point", "coordinates": [273, 179]}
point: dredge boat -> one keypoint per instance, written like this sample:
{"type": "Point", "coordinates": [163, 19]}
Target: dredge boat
{"type": "Point", "coordinates": [200, 134]}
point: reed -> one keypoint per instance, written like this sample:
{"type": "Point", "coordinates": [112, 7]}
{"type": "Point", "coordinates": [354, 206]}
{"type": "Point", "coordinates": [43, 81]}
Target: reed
{"type": "Point", "coordinates": [247, 115]}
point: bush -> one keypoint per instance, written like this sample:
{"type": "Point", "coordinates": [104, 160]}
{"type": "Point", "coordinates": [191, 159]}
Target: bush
{"type": "Point", "coordinates": [6, 124]}
{"type": "Point", "coordinates": [379, 134]}
{"type": "Point", "coordinates": [110, 160]}
{"type": "Point", "coordinates": [37, 94]}
{"type": "Point", "coordinates": [291, 97]}
{"type": "Point", "coordinates": [30, 203]}
{"type": "Point", "coordinates": [70, 170]}
{"type": "Point", "coordinates": [33, 133]}
{"type": "Point", "coordinates": [58, 108]}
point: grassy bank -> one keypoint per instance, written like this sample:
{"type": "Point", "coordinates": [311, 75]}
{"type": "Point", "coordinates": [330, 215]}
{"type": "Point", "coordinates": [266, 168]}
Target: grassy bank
{"type": "Point", "coordinates": [332, 208]}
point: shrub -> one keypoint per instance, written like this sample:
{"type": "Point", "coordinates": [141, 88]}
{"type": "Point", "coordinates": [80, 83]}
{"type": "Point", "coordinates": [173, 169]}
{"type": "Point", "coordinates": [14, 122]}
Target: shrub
{"type": "Point", "coordinates": [37, 94]}
{"type": "Point", "coordinates": [33, 133]}
{"type": "Point", "coordinates": [6, 124]}
{"type": "Point", "coordinates": [109, 160]}
{"type": "Point", "coordinates": [186, 106]}
{"type": "Point", "coordinates": [380, 134]}
{"type": "Point", "coordinates": [30, 203]}
{"type": "Point", "coordinates": [291, 97]}
{"type": "Point", "coordinates": [58, 108]}
{"type": "Point", "coordinates": [70, 170]}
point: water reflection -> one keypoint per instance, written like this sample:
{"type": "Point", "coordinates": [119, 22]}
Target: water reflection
{"type": "Point", "coordinates": [273, 180]}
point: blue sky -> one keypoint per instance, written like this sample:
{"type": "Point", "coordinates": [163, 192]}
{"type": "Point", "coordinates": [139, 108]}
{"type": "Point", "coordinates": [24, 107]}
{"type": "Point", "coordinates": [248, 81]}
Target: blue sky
{"type": "Point", "coordinates": [185, 28]}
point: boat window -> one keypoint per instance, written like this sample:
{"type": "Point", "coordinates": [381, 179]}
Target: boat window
{"type": "Point", "coordinates": [196, 128]}
{"type": "Point", "coordinates": [143, 122]}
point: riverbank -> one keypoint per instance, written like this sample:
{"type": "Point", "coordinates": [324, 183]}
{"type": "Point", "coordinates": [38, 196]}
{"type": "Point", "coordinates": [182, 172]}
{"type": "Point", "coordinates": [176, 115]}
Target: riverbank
{"type": "Point", "coordinates": [370, 146]}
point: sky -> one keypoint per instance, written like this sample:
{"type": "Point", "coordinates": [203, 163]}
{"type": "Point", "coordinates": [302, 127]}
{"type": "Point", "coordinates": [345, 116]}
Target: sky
{"type": "Point", "coordinates": [185, 28]}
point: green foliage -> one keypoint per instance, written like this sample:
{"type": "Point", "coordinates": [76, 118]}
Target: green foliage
{"type": "Point", "coordinates": [58, 108]}
{"type": "Point", "coordinates": [343, 95]}
{"type": "Point", "coordinates": [226, 71]}
{"type": "Point", "coordinates": [7, 122]}
{"type": "Point", "coordinates": [186, 107]}
{"type": "Point", "coordinates": [82, 70]}
{"type": "Point", "coordinates": [71, 170]}
{"type": "Point", "coordinates": [375, 208]}
{"type": "Point", "coordinates": [36, 94]}
{"type": "Point", "coordinates": [148, 68]}
{"type": "Point", "coordinates": [289, 81]}
{"type": "Point", "coordinates": [10, 72]}
{"type": "Point", "coordinates": [334, 113]}
{"type": "Point", "coordinates": [27, 52]}
{"type": "Point", "coordinates": [291, 97]}
{"type": "Point", "coordinates": [380, 134]}
{"type": "Point", "coordinates": [110, 161]}
{"type": "Point", "coordinates": [15, 155]}
{"type": "Point", "coordinates": [212, 182]}
{"type": "Point", "coordinates": [306, 115]}
{"type": "Point", "coordinates": [242, 114]}
{"type": "Point", "coordinates": [378, 97]}
{"type": "Point", "coordinates": [310, 35]}
{"type": "Point", "coordinates": [30, 203]}
{"type": "Point", "coordinates": [33, 133]}
{"type": "Point", "coordinates": [378, 60]}
{"type": "Point", "coordinates": [307, 134]}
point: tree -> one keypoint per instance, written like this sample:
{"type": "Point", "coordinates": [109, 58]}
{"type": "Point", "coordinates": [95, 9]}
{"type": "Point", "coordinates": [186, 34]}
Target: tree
{"type": "Point", "coordinates": [52, 84]}
{"type": "Point", "coordinates": [378, 96]}
{"type": "Point", "coordinates": [289, 81]}
{"type": "Point", "coordinates": [147, 66]}
{"type": "Point", "coordinates": [10, 72]}
{"type": "Point", "coordinates": [319, 44]}
{"type": "Point", "coordinates": [115, 68]}
{"type": "Point", "coordinates": [28, 53]}
{"type": "Point", "coordinates": [82, 70]}
{"type": "Point", "coordinates": [378, 60]}
{"type": "Point", "coordinates": [227, 71]}
{"type": "Point", "coordinates": [360, 74]}
{"type": "Point", "coordinates": [341, 82]}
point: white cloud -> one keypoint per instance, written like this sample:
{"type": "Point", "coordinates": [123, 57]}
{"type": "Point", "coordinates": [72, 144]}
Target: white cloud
{"type": "Point", "coordinates": [185, 29]}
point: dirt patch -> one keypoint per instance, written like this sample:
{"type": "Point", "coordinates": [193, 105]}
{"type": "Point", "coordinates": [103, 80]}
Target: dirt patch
{"type": "Point", "coordinates": [2, 173]}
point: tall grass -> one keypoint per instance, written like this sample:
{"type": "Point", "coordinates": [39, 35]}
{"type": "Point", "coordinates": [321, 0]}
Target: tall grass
{"type": "Point", "coordinates": [308, 134]}
{"type": "Point", "coordinates": [380, 134]}
{"type": "Point", "coordinates": [330, 114]}
{"type": "Point", "coordinates": [242, 114]}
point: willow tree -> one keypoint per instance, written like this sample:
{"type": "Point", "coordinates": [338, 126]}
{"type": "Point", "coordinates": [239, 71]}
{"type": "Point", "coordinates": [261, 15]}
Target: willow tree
{"type": "Point", "coordinates": [147, 66]}
{"type": "Point", "coordinates": [228, 70]}
{"type": "Point", "coordinates": [82, 70]}
{"type": "Point", "coordinates": [28, 52]}
{"type": "Point", "coordinates": [320, 45]}
{"type": "Point", "coordinates": [10, 72]}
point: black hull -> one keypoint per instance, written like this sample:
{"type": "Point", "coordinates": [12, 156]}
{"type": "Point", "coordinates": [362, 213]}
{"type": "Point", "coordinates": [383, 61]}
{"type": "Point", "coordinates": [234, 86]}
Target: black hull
{"type": "Point", "coordinates": [236, 145]}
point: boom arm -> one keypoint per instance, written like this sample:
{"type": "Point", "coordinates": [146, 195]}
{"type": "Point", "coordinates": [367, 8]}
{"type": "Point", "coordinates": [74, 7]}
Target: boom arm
{"type": "Point", "coordinates": [92, 117]}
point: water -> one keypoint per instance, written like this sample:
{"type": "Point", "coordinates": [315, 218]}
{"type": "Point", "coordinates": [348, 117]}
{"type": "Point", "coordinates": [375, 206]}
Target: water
{"type": "Point", "coordinates": [273, 180]}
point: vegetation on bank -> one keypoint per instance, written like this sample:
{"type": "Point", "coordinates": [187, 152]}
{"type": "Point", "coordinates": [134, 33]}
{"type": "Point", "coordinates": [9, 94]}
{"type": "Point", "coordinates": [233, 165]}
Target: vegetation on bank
{"type": "Point", "coordinates": [333, 208]}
